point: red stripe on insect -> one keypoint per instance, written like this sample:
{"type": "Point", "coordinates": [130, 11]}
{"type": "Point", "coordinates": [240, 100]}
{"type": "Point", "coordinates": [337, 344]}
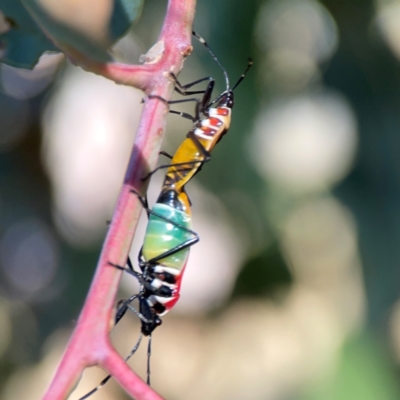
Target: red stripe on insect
{"type": "Point", "coordinates": [208, 131]}
{"type": "Point", "coordinates": [222, 111]}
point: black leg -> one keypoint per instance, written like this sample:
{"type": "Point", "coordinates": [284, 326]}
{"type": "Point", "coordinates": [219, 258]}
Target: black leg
{"type": "Point", "coordinates": [183, 115]}
{"type": "Point", "coordinates": [173, 165]}
{"type": "Point", "coordinates": [169, 102]}
{"type": "Point", "coordinates": [165, 218]}
{"type": "Point", "coordinates": [122, 307]}
{"type": "Point", "coordinates": [129, 262]}
{"type": "Point", "coordinates": [182, 246]}
{"type": "Point", "coordinates": [202, 104]}
{"type": "Point", "coordinates": [130, 269]}
{"type": "Point", "coordinates": [164, 153]}
{"type": "Point", "coordinates": [205, 154]}
{"type": "Point", "coordinates": [143, 201]}
{"type": "Point", "coordinates": [148, 359]}
{"type": "Point", "coordinates": [181, 89]}
{"type": "Point", "coordinates": [173, 223]}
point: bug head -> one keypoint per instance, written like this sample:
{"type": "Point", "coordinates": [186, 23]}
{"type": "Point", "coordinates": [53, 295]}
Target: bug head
{"type": "Point", "coordinates": [150, 319]}
{"type": "Point", "coordinates": [226, 100]}
{"type": "Point", "coordinates": [148, 327]}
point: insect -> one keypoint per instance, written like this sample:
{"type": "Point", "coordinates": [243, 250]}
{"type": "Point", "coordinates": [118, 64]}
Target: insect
{"type": "Point", "coordinates": [211, 122]}
{"type": "Point", "coordinates": [163, 256]}
{"type": "Point", "coordinates": [161, 266]}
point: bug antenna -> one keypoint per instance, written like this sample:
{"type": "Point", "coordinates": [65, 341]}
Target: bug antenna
{"type": "Point", "coordinates": [135, 347]}
{"type": "Point", "coordinates": [249, 64]}
{"type": "Point", "coordinates": [205, 44]}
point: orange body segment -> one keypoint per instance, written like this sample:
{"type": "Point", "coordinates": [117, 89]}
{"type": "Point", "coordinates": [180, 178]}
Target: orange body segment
{"type": "Point", "coordinates": [208, 132]}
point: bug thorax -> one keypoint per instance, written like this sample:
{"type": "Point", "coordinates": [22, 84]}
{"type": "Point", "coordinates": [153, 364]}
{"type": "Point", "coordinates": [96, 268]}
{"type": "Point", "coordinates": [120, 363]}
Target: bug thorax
{"type": "Point", "coordinates": [174, 199]}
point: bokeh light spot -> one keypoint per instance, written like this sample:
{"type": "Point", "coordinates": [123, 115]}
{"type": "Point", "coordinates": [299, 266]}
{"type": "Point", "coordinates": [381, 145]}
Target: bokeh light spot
{"type": "Point", "coordinates": [301, 26]}
{"type": "Point", "coordinates": [29, 257]}
{"type": "Point", "coordinates": [305, 143]}
{"type": "Point", "coordinates": [387, 20]}
{"type": "Point", "coordinates": [89, 127]}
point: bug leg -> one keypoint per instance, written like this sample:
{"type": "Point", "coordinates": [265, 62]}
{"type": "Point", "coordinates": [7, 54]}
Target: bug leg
{"type": "Point", "coordinates": [179, 247]}
{"type": "Point", "coordinates": [206, 156]}
{"type": "Point", "coordinates": [139, 314]}
{"type": "Point", "coordinates": [194, 162]}
{"type": "Point", "coordinates": [148, 359]}
{"type": "Point", "coordinates": [183, 115]}
{"type": "Point", "coordinates": [143, 201]}
{"type": "Point", "coordinates": [173, 223]}
{"type": "Point", "coordinates": [201, 104]}
{"type": "Point", "coordinates": [164, 153]}
{"type": "Point", "coordinates": [155, 96]}
{"type": "Point", "coordinates": [130, 269]}
{"type": "Point", "coordinates": [122, 307]}
{"type": "Point", "coordinates": [181, 89]}
{"type": "Point", "coordinates": [169, 102]}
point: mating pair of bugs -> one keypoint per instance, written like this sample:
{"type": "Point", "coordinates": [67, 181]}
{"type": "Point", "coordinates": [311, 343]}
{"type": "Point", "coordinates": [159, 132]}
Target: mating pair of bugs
{"type": "Point", "coordinates": [169, 235]}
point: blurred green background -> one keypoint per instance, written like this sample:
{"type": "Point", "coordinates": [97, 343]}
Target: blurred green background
{"type": "Point", "coordinates": [293, 291]}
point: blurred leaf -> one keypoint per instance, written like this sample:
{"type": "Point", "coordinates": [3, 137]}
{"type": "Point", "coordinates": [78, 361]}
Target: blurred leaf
{"type": "Point", "coordinates": [25, 41]}
{"type": "Point", "coordinates": [123, 14]}
{"type": "Point", "coordinates": [364, 373]}
{"type": "Point", "coordinates": [262, 274]}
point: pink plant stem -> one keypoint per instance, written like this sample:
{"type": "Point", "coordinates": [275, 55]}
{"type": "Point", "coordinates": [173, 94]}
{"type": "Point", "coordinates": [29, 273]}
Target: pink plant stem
{"type": "Point", "coordinates": [89, 343]}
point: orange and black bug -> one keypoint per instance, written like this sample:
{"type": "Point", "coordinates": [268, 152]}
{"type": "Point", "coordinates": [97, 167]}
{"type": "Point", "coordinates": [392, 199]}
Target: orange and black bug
{"type": "Point", "coordinates": [211, 122]}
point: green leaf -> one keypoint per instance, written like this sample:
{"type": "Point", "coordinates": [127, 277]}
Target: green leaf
{"type": "Point", "coordinates": [124, 13]}
{"type": "Point", "coordinates": [24, 42]}
{"type": "Point", "coordinates": [31, 23]}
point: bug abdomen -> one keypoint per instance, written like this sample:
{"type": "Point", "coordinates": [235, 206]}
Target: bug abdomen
{"type": "Point", "coordinates": [162, 236]}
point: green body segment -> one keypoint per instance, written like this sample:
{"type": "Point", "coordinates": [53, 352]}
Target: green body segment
{"type": "Point", "coordinates": [162, 236]}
